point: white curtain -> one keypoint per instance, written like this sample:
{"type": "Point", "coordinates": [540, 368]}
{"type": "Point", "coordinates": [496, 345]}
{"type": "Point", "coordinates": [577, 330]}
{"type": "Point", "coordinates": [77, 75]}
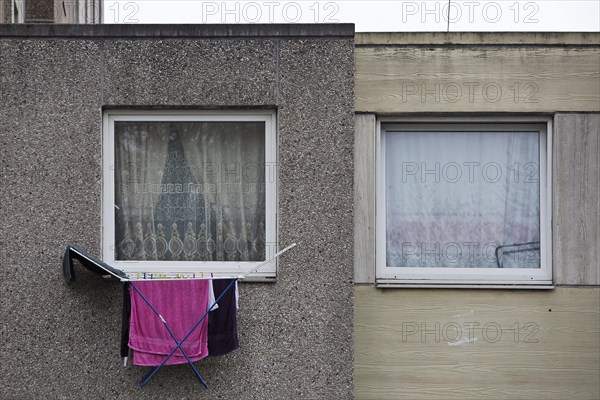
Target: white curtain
{"type": "Point", "coordinates": [199, 192]}
{"type": "Point", "coordinates": [140, 154]}
{"type": "Point", "coordinates": [452, 198]}
{"type": "Point", "coordinates": [229, 159]}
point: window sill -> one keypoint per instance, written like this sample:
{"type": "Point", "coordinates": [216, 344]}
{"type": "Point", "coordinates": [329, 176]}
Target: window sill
{"type": "Point", "coordinates": [259, 279]}
{"type": "Point", "coordinates": [417, 285]}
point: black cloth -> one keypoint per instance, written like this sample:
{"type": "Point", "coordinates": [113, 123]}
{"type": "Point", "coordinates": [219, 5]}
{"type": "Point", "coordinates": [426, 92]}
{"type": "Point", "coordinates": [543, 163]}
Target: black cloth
{"type": "Point", "coordinates": [222, 322]}
{"type": "Point", "coordinates": [125, 319]}
{"type": "Point", "coordinates": [89, 261]}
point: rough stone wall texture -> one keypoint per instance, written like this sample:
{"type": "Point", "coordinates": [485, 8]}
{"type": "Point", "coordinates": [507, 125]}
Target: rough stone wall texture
{"type": "Point", "coordinates": [62, 341]}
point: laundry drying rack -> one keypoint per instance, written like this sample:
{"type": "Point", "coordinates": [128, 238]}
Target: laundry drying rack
{"type": "Point", "coordinates": [94, 264]}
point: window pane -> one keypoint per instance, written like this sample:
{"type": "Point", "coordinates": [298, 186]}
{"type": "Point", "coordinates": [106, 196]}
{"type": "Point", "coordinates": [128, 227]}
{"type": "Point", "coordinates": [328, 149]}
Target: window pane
{"type": "Point", "coordinates": [190, 191]}
{"type": "Point", "coordinates": [462, 199]}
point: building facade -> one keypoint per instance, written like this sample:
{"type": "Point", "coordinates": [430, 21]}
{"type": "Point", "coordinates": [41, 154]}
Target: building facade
{"type": "Point", "coordinates": [338, 318]}
{"type": "Point", "coordinates": [58, 82]}
{"type": "Point", "coordinates": [479, 336]}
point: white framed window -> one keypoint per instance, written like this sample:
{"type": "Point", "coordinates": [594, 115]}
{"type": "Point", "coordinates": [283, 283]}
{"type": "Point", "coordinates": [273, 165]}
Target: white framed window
{"type": "Point", "coordinates": [464, 202]}
{"type": "Point", "coordinates": [189, 192]}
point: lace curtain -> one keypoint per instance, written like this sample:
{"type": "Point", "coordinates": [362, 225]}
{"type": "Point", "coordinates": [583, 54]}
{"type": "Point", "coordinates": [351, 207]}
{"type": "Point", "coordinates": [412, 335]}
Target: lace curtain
{"type": "Point", "coordinates": [190, 191]}
{"type": "Point", "coordinates": [452, 198]}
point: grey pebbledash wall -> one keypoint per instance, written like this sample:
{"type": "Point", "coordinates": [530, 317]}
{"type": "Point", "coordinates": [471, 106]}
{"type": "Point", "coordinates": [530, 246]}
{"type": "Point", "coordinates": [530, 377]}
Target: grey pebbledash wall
{"type": "Point", "coordinates": [62, 341]}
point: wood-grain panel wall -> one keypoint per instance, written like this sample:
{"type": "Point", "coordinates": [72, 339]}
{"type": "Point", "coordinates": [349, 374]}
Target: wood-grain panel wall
{"type": "Point", "coordinates": [364, 198]}
{"type": "Point", "coordinates": [476, 78]}
{"type": "Point", "coordinates": [576, 199]}
{"type": "Point", "coordinates": [484, 344]}
{"type": "Point", "coordinates": [477, 344]}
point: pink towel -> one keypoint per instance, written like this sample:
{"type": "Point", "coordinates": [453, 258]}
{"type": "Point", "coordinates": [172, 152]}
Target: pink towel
{"type": "Point", "coordinates": [181, 303]}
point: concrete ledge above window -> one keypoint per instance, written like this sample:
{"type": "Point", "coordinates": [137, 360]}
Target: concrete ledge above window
{"type": "Point", "coordinates": [179, 31]}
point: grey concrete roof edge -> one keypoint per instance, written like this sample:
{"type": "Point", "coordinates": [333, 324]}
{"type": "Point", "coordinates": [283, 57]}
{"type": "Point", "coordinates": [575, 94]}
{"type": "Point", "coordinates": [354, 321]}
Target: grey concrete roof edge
{"type": "Point", "coordinates": [174, 30]}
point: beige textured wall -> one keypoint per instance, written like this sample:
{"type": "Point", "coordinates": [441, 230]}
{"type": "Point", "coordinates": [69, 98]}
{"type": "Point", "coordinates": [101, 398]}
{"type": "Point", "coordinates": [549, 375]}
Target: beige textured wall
{"type": "Point", "coordinates": [476, 344]}
{"type": "Point", "coordinates": [484, 344]}
{"type": "Point", "coordinates": [576, 199]}
{"type": "Point", "coordinates": [477, 73]}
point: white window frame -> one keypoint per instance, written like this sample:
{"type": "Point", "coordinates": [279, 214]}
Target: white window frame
{"type": "Point", "coordinates": [467, 277]}
{"type": "Point", "coordinates": [185, 268]}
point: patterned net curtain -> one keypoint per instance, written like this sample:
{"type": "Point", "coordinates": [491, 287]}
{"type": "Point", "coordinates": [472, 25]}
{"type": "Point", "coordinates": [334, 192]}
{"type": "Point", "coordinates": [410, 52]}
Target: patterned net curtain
{"type": "Point", "coordinates": [190, 191]}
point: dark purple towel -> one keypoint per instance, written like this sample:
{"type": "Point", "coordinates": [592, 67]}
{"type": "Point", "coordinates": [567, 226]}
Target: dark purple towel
{"type": "Point", "coordinates": [222, 323]}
